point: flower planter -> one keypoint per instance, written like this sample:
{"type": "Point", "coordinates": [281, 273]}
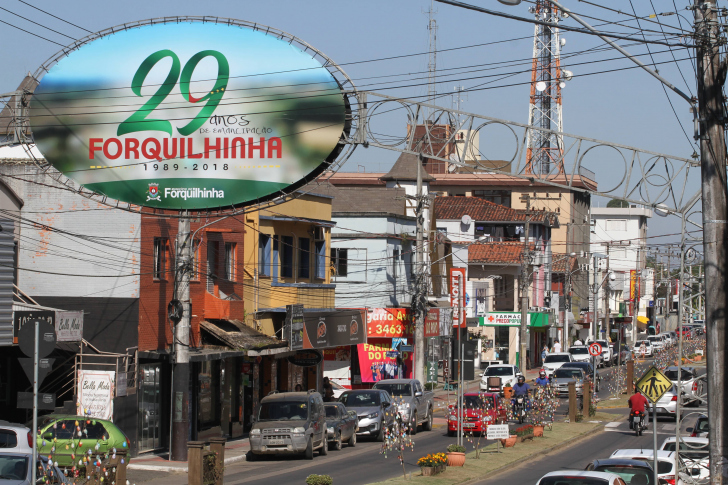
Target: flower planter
{"type": "Point", "coordinates": [510, 441]}
{"type": "Point", "coordinates": [428, 471]}
{"type": "Point", "coordinates": [455, 459]}
{"type": "Point", "coordinates": [525, 437]}
{"type": "Point", "coordinates": [508, 392]}
{"type": "Point", "coordinates": [698, 358]}
{"type": "Point", "coordinates": [538, 431]}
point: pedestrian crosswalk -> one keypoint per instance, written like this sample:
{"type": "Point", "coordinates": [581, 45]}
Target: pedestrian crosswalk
{"type": "Point", "coordinates": [623, 427]}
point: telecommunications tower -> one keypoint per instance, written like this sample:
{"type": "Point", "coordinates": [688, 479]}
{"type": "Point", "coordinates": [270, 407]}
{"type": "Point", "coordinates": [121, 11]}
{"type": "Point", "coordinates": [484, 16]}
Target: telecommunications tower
{"type": "Point", "coordinates": [545, 150]}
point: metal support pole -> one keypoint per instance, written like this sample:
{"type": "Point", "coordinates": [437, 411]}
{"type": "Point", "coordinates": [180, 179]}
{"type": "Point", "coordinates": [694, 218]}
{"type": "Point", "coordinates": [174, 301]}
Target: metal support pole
{"type": "Point", "coordinates": [461, 396]}
{"type": "Point", "coordinates": [33, 466]}
{"type": "Point", "coordinates": [595, 292]}
{"type": "Point", "coordinates": [711, 76]}
{"type": "Point", "coordinates": [654, 443]}
{"type": "Point", "coordinates": [522, 334]}
{"type": "Point", "coordinates": [420, 291]}
{"type": "Point", "coordinates": [679, 346]}
{"type": "Point", "coordinates": [567, 308]}
{"type": "Point", "coordinates": [181, 383]}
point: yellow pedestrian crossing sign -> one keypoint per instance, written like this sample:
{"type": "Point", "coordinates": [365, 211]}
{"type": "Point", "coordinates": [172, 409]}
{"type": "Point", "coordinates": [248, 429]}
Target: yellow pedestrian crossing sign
{"type": "Point", "coordinates": [653, 384]}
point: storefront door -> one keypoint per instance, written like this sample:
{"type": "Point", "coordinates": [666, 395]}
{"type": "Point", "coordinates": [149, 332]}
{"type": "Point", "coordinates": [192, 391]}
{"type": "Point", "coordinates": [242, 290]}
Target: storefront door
{"type": "Point", "coordinates": [149, 408]}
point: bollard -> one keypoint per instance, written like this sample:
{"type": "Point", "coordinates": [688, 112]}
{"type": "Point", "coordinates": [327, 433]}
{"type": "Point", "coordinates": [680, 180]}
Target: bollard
{"type": "Point", "coordinates": [195, 452]}
{"type": "Point", "coordinates": [629, 383]}
{"type": "Point", "coordinates": [120, 467]}
{"type": "Point", "coordinates": [572, 402]}
{"type": "Point", "coordinates": [586, 402]}
{"type": "Point", "coordinates": [217, 446]}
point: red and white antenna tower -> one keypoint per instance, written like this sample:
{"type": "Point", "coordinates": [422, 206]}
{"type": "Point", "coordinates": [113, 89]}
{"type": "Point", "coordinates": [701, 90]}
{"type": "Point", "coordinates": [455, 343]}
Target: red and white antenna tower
{"type": "Point", "coordinates": [545, 151]}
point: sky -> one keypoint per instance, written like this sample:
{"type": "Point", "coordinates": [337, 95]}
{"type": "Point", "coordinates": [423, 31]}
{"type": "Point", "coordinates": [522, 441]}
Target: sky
{"type": "Point", "coordinates": [625, 106]}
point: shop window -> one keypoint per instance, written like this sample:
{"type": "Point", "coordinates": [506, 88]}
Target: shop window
{"type": "Point", "coordinates": [230, 260]}
{"type": "Point", "coordinates": [304, 258]}
{"type": "Point", "coordinates": [264, 255]}
{"type": "Point", "coordinates": [340, 261]}
{"type": "Point", "coordinates": [208, 393]}
{"type": "Point", "coordinates": [161, 246]}
{"type": "Point", "coordinates": [286, 253]}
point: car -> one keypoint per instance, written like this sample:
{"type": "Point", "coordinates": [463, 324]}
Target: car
{"type": "Point", "coordinates": [631, 471]}
{"type": "Point", "coordinates": [481, 410]}
{"type": "Point", "coordinates": [658, 343]}
{"type": "Point", "coordinates": [701, 428]}
{"type": "Point", "coordinates": [555, 360]}
{"type": "Point", "coordinates": [341, 425]}
{"type": "Point", "coordinates": [607, 353]}
{"type": "Point", "coordinates": [15, 437]}
{"type": "Point", "coordinates": [665, 460]}
{"type": "Point", "coordinates": [691, 383]}
{"type": "Point", "coordinates": [644, 348]}
{"type": "Point", "coordinates": [374, 408]}
{"type": "Point", "coordinates": [668, 338]}
{"type": "Point", "coordinates": [624, 355]}
{"type": "Point", "coordinates": [587, 368]}
{"type": "Point", "coordinates": [62, 431]}
{"type": "Point", "coordinates": [289, 423]}
{"type": "Point", "coordinates": [563, 376]}
{"type": "Point", "coordinates": [693, 449]}
{"type": "Point", "coordinates": [338, 389]}
{"type": "Point", "coordinates": [415, 405]}
{"type": "Point", "coordinates": [14, 469]}
{"type": "Point", "coordinates": [667, 404]}
{"type": "Point", "coordinates": [507, 373]}
{"type": "Point", "coordinates": [687, 332]}
{"type": "Point", "coordinates": [580, 353]}
{"type": "Point", "coordinates": [674, 336]}
{"type": "Point", "coordinates": [580, 477]}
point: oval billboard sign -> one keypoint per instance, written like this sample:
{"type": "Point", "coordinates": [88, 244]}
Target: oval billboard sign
{"type": "Point", "coordinates": [305, 358]}
{"type": "Point", "coordinates": [189, 115]}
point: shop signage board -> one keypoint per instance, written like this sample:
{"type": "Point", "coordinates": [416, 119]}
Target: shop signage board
{"type": "Point", "coordinates": [69, 326]}
{"type": "Point", "coordinates": [306, 358]}
{"type": "Point", "coordinates": [377, 362]}
{"type": "Point", "coordinates": [513, 319]}
{"type": "Point", "coordinates": [96, 394]}
{"type": "Point", "coordinates": [187, 114]}
{"type": "Point", "coordinates": [457, 296]}
{"type": "Point", "coordinates": [389, 323]}
{"type": "Point", "coordinates": [323, 330]}
{"type": "Point", "coordinates": [294, 320]}
{"type": "Point", "coordinates": [438, 322]}
{"type": "Point", "coordinates": [21, 317]}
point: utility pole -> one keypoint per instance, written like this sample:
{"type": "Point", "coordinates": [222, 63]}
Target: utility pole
{"type": "Point", "coordinates": [567, 309]}
{"type": "Point", "coordinates": [607, 323]}
{"type": "Point", "coordinates": [181, 379]}
{"type": "Point", "coordinates": [419, 304]}
{"type": "Point", "coordinates": [711, 77]}
{"type": "Point", "coordinates": [522, 335]}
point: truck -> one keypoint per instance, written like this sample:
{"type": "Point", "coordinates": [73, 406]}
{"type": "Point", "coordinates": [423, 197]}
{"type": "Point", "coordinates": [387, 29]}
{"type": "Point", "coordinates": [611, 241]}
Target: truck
{"type": "Point", "coordinates": [414, 404]}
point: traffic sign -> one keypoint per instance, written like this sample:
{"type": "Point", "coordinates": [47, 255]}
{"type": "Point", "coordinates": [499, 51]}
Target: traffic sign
{"type": "Point", "coordinates": [46, 338]}
{"type": "Point", "coordinates": [653, 384]}
{"type": "Point", "coordinates": [595, 349]}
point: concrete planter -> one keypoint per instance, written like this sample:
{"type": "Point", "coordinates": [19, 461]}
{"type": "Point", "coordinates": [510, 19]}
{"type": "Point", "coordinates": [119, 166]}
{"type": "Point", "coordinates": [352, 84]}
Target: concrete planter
{"type": "Point", "coordinates": [455, 459]}
{"type": "Point", "coordinates": [510, 441]}
{"type": "Point", "coordinates": [428, 471]}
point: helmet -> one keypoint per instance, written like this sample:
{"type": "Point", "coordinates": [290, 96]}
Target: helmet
{"type": "Point", "coordinates": [542, 373]}
{"type": "Point", "coordinates": [521, 379]}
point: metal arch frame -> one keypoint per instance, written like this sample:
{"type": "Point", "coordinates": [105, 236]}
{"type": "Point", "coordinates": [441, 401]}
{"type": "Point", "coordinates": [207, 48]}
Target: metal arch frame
{"type": "Point", "coordinates": [650, 178]}
{"type": "Point", "coordinates": [21, 125]}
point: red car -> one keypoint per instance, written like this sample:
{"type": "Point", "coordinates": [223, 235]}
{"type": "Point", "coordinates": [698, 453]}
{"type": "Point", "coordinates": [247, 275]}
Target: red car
{"type": "Point", "coordinates": [481, 409]}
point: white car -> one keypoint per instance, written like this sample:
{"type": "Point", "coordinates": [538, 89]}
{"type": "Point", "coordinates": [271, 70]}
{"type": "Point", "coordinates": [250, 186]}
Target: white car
{"type": "Point", "coordinates": [555, 360]}
{"type": "Point", "coordinates": [658, 343]}
{"type": "Point", "coordinates": [667, 404]}
{"type": "Point", "coordinates": [580, 477]}
{"type": "Point", "coordinates": [15, 438]}
{"type": "Point", "coordinates": [692, 385]}
{"type": "Point", "coordinates": [694, 452]}
{"type": "Point", "coordinates": [508, 375]}
{"type": "Point", "coordinates": [580, 353]}
{"type": "Point", "coordinates": [669, 340]}
{"type": "Point", "coordinates": [647, 344]}
{"type": "Point", "coordinates": [665, 461]}
{"type": "Point", "coordinates": [16, 453]}
{"type": "Point", "coordinates": [701, 428]}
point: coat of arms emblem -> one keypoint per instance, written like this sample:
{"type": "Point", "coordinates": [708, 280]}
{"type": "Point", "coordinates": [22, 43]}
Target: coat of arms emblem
{"type": "Point", "coordinates": [153, 193]}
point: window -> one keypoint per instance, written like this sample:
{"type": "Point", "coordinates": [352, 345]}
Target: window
{"type": "Point", "coordinates": [304, 257]}
{"type": "Point", "coordinates": [616, 225]}
{"type": "Point", "coordinates": [340, 261]}
{"type": "Point", "coordinates": [161, 245]}
{"type": "Point", "coordinates": [395, 262]}
{"type": "Point", "coordinates": [230, 260]}
{"type": "Point", "coordinates": [264, 247]}
{"type": "Point", "coordinates": [286, 253]}
{"type": "Point", "coordinates": [502, 197]}
{"type": "Point", "coordinates": [321, 260]}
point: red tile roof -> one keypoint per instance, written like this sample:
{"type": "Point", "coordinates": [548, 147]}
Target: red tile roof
{"type": "Point", "coordinates": [560, 262]}
{"type": "Point", "coordinates": [496, 253]}
{"type": "Point", "coordinates": [481, 210]}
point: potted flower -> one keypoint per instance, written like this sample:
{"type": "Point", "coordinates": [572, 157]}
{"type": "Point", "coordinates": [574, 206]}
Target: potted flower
{"type": "Point", "coordinates": [432, 464]}
{"type": "Point", "coordinates": [455, 455]}
{"type": "Point", "coordinates": [525, 433]}
{"type": "Point", "coordinates": [508, 391]}
{"type": "Point", "coordinates": [510, 441]}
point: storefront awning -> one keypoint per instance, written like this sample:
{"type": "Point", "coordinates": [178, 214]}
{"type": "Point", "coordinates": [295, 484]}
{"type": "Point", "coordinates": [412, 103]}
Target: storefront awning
{"type": "Point", "coordinates": [513, 319]}
{"type": "Point", "coordinates": [237, 336]}
{"type": "Point", "coordinates": [642, 322]}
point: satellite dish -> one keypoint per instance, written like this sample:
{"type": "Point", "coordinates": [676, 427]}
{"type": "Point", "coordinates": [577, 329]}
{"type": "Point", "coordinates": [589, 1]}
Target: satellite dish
{"type": "Point", "coordinates": [567, 75]}
{"type": "Point", "coordinates": [466, 220]}
{"type": "Point", "coordinates": [540, 86]}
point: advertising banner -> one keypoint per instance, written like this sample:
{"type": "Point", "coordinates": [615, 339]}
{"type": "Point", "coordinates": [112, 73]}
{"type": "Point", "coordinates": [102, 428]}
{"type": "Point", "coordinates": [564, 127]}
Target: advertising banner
{"type": "Point", "coordinates": [389, 323]}
{"type": "Point", "coordinates": [189, 114]}
{"type": "Point", "coordinates": [69, 326]}
{"type": "Point", "coordinates": [322, 330]}
{"type": "Point", "coordinates": [377, 361]}
{"type": "Point", "coordinates": [96, 394]}
{"type": "Point", "coordinates": [438, 322]}
{"type": "Point", "coordinates": [294, 320]}
{"type": "Point", "coordinates": [457, 296]}
{"type": "Point", "coordinates": [633, 294]}
{"type": "Point", "coordinates": [513, 319]}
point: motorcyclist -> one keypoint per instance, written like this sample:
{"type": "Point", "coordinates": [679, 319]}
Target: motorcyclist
{"type": "Point", "coordinates": [637, 403]}
{"type": "Point", "coordinates": [521, 389]}
{"type": "Point", "coordinates": [542, 380]}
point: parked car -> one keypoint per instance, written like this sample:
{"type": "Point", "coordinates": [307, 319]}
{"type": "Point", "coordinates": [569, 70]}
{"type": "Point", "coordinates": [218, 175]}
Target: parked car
{"type": "Point", "coordinates": [687, 332]}
{"type": "Point", "coordinates": [563, 376]}
{"type": "Point", "coordinates": [691, 448]}
{"type": "Point", "coordinates": [15, 469]}
{"type": "Point", "coordinates": [415, 405]}
{"type": "Point", "coordinates": [555, 360]}
{"type": "Point", "coordinates": [624, 355]}
{"type": "Point", "coordinates": [631, 471]}
{"type": "Point", "coordinates": [701, 428]}
{"type": "Point", "coordinates": [607, 354]}
{"type": "Point", "coordinates": [288, 423]}
{"type": "Point", "coordinates": [665, 460]}
{"type": "Point", "coordinates": [580, 477]}
{"type": "Point", "coordinates": [338, 389]}
{"type": "Point", "coordinates": [15, 437]}
{"type": "Point", "coordinates": [667, 404]}
{"type": "Point", "coordinates": [690, 383]}
{"type": "Point", "coordinates": [481, 410]}
{"type": "Point", "coordinates": [674, 336]}
{"type": "Point", "coordinates": [580, 353]}
{"type": "Point", "coordinates": [374, 408]}
{"type": "Point", "coordinates": [587, 368]}
{"type": "Point", "coordinates": [648, 348]}
{"type": "Point", "coordinates": [62, 431]}
{"type": "Point", "coordinates": [341, 425]}
{"type": "Point", "coordinates": [658, 343]}
{"type": "Point", "coordinates": [507, 373]}
{"type": "Point", "coordinates": [668, 338]}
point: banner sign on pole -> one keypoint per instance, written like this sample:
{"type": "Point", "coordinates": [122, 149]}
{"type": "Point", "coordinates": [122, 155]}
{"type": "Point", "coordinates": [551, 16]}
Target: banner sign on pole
{"type": "Point", "coordinates": [69, 326]}
{"type": "Point", "coordinates": [324, 330]}
{"type": "Point", "coordinates": [96, 394]}
{"type": "Point", "coordinates": [294, 320]}
{"type": "Point", "coordinates": [457, 296]}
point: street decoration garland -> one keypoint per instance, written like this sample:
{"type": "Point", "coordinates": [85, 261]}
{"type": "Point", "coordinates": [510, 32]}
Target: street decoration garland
{"type": "Point", "coordinates": [397, 437]}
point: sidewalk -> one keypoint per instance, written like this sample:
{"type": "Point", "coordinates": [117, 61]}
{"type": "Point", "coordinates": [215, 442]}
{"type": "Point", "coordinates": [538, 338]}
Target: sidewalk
{"type": "Point", "coordinates": [235, 450]}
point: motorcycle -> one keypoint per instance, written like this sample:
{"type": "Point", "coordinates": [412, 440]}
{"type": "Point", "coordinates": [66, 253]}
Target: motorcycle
{"type": "Point", "coordinates": [637, 422]}
{"type": "Point", "coordinates": [520, 408]}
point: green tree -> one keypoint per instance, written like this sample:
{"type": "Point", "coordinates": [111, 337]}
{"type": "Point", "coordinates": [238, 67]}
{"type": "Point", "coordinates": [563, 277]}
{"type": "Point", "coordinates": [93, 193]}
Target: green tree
{"type": "Point", "coordinates": [619, 203]}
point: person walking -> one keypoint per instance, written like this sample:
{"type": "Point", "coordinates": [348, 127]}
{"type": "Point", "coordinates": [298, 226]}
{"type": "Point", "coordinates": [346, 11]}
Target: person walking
{"type": "Point", "coordinates": [557, 346]}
